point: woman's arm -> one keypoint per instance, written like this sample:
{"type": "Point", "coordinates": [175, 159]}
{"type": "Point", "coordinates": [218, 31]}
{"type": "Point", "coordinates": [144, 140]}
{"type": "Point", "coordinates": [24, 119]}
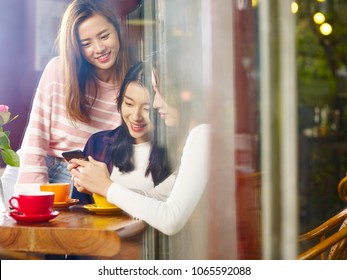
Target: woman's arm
{"type": "Point", "coordinates": [36, 139]}
{"type": "Point", "coordinates": [161, 191]}
{"type": "Point", "coordinates": [171, 215]}
{"type": "Point", "coordinates": [168, 216]}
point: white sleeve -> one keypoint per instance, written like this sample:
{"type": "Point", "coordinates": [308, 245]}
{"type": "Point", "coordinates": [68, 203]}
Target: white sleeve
{"type": "Point", "coordinates": [171, 215]}
{"type": "Point", "coordinates": [161, 191]}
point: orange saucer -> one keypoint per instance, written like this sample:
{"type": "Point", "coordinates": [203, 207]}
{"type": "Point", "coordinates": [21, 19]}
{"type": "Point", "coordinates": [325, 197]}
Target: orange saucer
{"type": "Point", "coordinates": [70, 202]}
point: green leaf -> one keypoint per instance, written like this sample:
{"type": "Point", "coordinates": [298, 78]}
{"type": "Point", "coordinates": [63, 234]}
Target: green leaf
{"type": "Point", "coordinates": [4, 118]}
{"type": "Point", "coordinates": [4, 141]}
{"type": "Point", "coordinates": [10, 157]}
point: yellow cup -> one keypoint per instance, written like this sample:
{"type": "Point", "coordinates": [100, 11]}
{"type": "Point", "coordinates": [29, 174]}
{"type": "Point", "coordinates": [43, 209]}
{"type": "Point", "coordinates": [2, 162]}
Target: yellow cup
{"type": "Point", "coordinates": [101, 201]}
{"type": "Point", "coordinates": [61, 191]}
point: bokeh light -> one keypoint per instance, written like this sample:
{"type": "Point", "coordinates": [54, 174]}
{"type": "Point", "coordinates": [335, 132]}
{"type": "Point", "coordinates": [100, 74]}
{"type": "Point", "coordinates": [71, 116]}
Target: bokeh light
{"type": "Point", "coordinates": [326, 29]}
{"type": "Point", "coordinates": [318, 18]}
{"type": "Point", "coordinates": [294, 7]}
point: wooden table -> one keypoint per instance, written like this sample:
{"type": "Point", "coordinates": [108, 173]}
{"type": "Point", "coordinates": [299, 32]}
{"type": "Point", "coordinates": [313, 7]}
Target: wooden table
{"type": "Point", "coordinates": [75, 231]}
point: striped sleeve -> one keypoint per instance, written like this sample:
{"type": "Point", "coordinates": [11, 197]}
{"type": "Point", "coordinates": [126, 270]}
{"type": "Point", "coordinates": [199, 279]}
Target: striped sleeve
{"type": "Point", "coordinates": [36, 139]}
{"type": "Point", "coordinates": [50, 132]}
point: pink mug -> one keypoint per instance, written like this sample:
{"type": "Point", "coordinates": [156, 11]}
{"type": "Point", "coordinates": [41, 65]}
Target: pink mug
{"type": "Point", "coordinates": [33, 203]}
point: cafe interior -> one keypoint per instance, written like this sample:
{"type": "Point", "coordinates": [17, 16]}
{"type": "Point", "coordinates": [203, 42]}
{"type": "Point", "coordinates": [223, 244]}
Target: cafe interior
{"type": "Point", "coordinates": [274, 84]}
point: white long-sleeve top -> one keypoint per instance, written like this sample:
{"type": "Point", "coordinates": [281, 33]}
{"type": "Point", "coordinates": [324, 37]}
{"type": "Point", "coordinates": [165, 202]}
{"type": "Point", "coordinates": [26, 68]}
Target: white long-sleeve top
{"type": "Point", "coordinates": [136, 179]}
{"type": "Point", "coordinates": [50, 132]}
{"type": "Point", "coordinates": [183, 191]}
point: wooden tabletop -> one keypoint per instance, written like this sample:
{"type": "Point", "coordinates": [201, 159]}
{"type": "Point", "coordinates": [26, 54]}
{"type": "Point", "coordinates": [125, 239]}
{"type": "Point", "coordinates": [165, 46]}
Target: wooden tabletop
{"type": "Point", "coordinates": [75, 231]}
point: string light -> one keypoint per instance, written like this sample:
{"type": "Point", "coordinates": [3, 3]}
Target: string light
{"type": "Point", "coordinates": [294, 7]}
{"type": "Point", "coordinates": [326, 29]}
{"type": "Point", "coordinates": [318, 18]}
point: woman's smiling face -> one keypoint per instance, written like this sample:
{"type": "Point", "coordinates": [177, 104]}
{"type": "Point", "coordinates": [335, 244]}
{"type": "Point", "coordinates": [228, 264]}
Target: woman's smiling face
{"type": "Point", "coordinates": [99, 42]}
{"type": "Point", "coordinates": [135, 112]}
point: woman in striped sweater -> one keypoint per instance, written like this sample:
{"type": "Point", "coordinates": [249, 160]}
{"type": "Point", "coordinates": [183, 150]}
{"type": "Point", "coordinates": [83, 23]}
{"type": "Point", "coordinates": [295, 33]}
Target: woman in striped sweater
{"type": "Point", "coordinates": [76, 95]}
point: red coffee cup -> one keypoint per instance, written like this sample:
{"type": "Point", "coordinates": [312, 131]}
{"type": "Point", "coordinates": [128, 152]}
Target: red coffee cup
{"type": "Point", "coordinates": [33, 203]}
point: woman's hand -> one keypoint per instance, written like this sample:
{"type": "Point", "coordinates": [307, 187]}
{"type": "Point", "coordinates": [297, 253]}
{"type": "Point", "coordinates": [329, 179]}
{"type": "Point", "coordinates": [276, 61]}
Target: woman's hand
{"type": "Point", "coordinates": [90, 176]}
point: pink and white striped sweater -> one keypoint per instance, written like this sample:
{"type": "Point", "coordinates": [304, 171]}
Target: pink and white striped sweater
{"type": "Point", "coordinates": [50, 132]}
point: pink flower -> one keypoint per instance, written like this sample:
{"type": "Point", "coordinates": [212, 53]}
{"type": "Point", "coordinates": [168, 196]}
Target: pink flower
{"type": "Point", "coordinates": [4, 115]}
{"type": "Point", "coordinates": [4, 108]}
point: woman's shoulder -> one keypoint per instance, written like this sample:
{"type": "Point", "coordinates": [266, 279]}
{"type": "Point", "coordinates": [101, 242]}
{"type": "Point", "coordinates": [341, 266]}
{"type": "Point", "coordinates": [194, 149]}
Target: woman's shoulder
{"type": "Point", "coordinates": [203, 128]}
{"type": "Point", "coordinates": [99, 143]}
{"type": "Point", "coordinates": [199, 134]}
{"type": "Point", "coordinates": [105, 135]}
{"type": "Point", "coordinates": [54, 63]}
{"type": "Point", "coordinates": [52, 75]}
{"type": "Point", "coordinates": [53, 67]}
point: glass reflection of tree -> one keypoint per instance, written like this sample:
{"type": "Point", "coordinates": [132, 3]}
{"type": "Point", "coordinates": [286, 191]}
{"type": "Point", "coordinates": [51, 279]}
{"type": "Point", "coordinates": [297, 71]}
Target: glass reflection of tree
{"type": "Point", "coordinates": [322, 59]}
{"type": "Point", "coordinates": [322, 79]}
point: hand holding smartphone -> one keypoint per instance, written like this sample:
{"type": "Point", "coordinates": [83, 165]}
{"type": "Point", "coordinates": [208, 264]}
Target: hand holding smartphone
{"type": "Point", "coordinates": [74, 154]}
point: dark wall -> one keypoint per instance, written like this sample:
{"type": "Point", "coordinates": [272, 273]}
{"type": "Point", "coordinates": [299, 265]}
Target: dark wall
{"type": "Point", "coordinates": [17, 75]}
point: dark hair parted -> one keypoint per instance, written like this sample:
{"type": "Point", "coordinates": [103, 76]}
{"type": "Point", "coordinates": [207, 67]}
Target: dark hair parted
{"type": "Point", "coordinates": [79, 75]}
{"type": "Point", "coordinates": [122, 149]}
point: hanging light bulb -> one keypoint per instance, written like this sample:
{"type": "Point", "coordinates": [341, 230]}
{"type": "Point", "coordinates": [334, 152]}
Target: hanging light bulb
{"type": "Point", "coordinates": [318, 18]}
{"type": "Point", "coordinates": [326, 29]}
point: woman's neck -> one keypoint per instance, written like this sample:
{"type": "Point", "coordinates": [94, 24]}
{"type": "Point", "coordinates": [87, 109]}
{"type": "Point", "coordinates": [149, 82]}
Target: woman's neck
{"type": "Point", "coordinates": [107, 76]}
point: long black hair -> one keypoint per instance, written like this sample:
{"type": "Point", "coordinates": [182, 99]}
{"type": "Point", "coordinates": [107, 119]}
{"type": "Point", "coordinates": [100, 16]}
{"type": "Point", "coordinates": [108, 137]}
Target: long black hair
{"type": "Point", "coordinates": [122, 149]}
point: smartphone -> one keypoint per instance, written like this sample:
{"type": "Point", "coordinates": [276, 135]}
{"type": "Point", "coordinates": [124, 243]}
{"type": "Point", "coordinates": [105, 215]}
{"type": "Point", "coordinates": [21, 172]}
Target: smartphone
{"type": "Point", "coordinates": [74, 154]}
